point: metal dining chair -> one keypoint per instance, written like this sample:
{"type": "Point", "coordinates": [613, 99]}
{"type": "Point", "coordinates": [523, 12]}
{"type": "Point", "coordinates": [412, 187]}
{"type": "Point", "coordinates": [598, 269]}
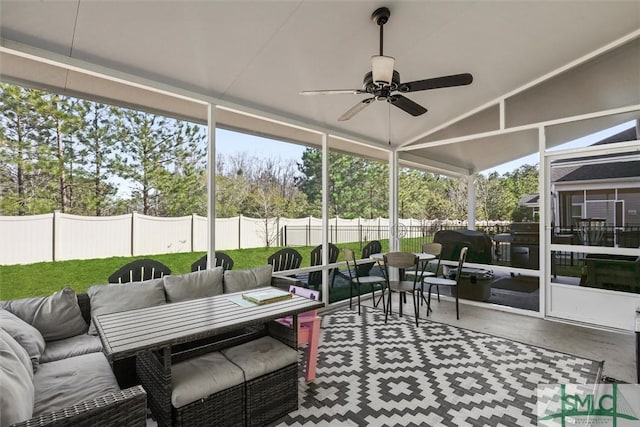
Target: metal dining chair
{"type": "Point", "coordinates": [443, 281]}
{"type": "Point", "coordinates": [402, 261]}
{"type": "Point", "coordinates": [357, 280]}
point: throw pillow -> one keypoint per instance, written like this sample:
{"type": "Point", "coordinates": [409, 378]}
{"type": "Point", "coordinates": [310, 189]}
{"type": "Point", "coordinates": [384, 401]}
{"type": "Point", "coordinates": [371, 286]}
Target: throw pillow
{"type": "Point", "coordinates": [17, 391]}
{"type": "Point", "coordinates": [25, 334]}
{"type": "Point", "coordinates": [117, 297]}
{"type": "Point", "coordinates": [242, 280]}
{"type": "Point", "coordinates": [57, 316]}
{"type": "Point", "coordinates": [199, 284]}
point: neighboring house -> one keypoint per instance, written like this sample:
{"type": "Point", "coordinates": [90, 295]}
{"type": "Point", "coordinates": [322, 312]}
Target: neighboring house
{"type": "Point", "coordinates": [597, 192]}
{"type": "Point", "coordinates": [531, 201]}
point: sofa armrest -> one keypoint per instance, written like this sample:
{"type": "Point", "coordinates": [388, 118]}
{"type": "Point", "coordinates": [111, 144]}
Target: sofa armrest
{"type": "Point", "coordinates": [125, 408]}
{"type": "Point", "coordinates": [284, 282]}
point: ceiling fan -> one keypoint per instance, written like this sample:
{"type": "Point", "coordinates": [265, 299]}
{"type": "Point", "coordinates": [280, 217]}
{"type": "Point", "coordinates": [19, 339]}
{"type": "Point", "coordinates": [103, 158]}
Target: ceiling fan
{"type": "Point", "coordinates": [383, 82]}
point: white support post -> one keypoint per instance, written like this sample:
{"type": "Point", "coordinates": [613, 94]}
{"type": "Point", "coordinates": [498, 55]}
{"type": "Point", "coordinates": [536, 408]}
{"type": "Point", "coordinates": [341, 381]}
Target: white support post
{"type": "Point", "coordinates": [325, 216]}
{"type": "Point", "coordinates": [544, 221]}
{"type": "Point", "coordinates": [394, 241]}
{"type": "Point", "coordinates": [211, 184]}
{"type": "Point", "coordinates": [471, 201]}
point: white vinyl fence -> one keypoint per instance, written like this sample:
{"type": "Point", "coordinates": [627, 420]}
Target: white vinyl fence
{"type": "Point", "coordinates": [59, 236]}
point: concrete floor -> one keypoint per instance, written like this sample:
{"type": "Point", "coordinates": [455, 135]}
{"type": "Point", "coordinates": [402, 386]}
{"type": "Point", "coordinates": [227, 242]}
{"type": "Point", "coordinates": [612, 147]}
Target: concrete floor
{"type": "Point", "coordinates": [616, 349]}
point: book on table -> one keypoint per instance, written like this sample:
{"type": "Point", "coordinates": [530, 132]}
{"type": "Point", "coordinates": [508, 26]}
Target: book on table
{"type": "Point", "coordinates": [266, 296]}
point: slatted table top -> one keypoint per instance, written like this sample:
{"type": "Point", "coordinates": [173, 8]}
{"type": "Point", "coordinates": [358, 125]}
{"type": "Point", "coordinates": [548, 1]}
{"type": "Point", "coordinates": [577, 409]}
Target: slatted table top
{"type": "Point", "coordinates": [126, 333]}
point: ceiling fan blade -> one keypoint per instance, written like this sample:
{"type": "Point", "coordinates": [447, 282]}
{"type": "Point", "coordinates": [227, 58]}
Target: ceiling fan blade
{"type": "Point", "coordinates": [333, 92]}
{"type": "Point", "coordinates": [355, 109]}
{"type": "Point", "coordinates": [407, 105]}
{"type": "Point", "coordinates": [437, 82]}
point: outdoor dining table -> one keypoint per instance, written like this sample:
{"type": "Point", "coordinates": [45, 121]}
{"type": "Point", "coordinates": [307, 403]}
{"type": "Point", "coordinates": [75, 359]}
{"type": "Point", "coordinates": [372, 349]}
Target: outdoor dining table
{"type": "Point", "coordinates": [162, 327]}
{"type": "Point", "coordinates": [166, 334]}
{"type": "Point", "coordinates": [423, 259]}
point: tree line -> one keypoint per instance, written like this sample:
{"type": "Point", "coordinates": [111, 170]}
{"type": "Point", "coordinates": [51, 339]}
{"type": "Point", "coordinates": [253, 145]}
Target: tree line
{"type": "Point", "coordinates": [87, 158]}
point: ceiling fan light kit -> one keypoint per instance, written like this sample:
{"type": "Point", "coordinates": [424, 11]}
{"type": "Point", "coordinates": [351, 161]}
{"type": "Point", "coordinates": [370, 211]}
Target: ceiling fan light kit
{"type": "Point", "coordinates": [383, 80]}
{"type": "Point", "coordinates": [382, 69]}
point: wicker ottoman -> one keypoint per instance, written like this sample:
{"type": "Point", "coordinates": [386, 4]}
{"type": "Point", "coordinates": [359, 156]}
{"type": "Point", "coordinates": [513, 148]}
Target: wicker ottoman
{"type": "Point", "coordinates": [201, 391]}
{"type": "Point", "coordinates": [207, 390]}
{"type": "Point", "coordinates": [271, 378]}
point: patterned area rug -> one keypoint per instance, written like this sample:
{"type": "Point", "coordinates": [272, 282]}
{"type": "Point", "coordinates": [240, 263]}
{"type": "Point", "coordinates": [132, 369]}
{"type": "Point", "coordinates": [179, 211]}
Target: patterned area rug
{"type": "Point", "coordinates": [372, 374]}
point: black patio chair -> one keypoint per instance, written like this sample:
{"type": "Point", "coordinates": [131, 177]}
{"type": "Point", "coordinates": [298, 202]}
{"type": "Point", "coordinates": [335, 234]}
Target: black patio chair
{"type": "Point", "coordinates": [403, 261]}
{"type": "Point", "coordinates": [221, 260]}
{"type": "Point", "coordinates": [139, 270]}
{"type": "Point", "coordinates": [373, 247]}
{"type": "Point", "coordinates": [285, 259]}
{"type": "Point", "coordinates": [443, 281]}
{"type": "Point", "coordinates": [315, 277]}
{"type": "Point", "coordinates": [357, 281]}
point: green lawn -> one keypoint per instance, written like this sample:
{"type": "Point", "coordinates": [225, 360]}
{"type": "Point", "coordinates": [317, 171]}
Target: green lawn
{"type": "Point", "coordinates": [45, 278]}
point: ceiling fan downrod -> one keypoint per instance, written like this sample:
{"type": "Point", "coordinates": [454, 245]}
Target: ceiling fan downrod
{"type": "Point", "coordinates": [381, 16]}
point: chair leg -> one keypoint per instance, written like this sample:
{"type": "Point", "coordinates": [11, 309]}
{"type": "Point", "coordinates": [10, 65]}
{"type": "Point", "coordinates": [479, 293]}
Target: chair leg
{"type": "Point", "coordinates": [350, 293]}
{"type": "Point", "coordinates": [457, 309]}
{"type": "Point", "coordinates": [358, 299]}
{"type": "Point", "coordinates": [416, 306]}
{"type": "Point", "coordinates": [438, 291]}
{"type": "Point", "coordinates": [373, 296]}
{"type": "Point", "coordinates": [429, 301]}
{"type": "Point", "coordinates": [386, 312]}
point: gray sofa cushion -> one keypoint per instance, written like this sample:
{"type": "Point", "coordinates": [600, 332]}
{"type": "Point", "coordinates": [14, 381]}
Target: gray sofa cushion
{"type": "Point", "coordinates": [242, 280]}
{"type": "Point", "coordinates": [70, 347]}
{"type": "Point", "coordinates": [57, 316]}
{"type": "Point", "coordinates": [199, 284]}
{"type": "Point", "coordinates": [122, 297]}
{"type": "Point", "coordinates": [25, 334]}
{"type": "Point", "coordinates": [261, 356]}
{"type": "Point", "coordinates": [69, 381]}
{"type": "Point", "coordinates": [202, 376]}
{"type": "Point", "coordinates": [16, 381]}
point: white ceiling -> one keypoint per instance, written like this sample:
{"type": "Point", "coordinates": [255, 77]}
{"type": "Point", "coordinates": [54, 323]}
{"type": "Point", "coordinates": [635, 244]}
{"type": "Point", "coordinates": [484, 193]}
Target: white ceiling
{"type": "Point", "coordinates": [259, 54]}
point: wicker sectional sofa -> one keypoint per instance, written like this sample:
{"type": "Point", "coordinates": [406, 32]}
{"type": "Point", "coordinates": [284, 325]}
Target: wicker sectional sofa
{"type": "Point", "coordinates": [53, 371]}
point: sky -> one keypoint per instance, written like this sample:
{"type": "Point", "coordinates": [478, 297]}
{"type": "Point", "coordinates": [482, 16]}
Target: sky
{"type": "Point", "coordinates": [229, 142]}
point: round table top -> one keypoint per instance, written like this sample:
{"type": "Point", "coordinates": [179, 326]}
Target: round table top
{"type": "Point", "coordinates": [421, 256]}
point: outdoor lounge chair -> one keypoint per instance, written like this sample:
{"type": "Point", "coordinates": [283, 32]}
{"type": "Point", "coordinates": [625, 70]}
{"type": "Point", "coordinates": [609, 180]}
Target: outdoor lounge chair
{"type": "Point", "coordinates": [139, 270]}
{"type": "Point", "coordinates": [285, 259]}
{"type": "Point", "coordinates": [221, 260]}
{"type": "Point", "coordinates": [315, 277]}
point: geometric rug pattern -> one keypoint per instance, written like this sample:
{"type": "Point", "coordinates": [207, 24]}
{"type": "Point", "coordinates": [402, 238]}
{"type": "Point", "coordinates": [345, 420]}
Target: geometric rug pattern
{"type": "Point", "coordinates": [374, 374]}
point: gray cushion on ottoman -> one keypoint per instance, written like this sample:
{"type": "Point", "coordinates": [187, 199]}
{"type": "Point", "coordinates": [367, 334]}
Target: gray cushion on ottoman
{"type": "Point", "coordinates": [199, 284]}
{"type": "Point", "coordinates": [69, 381]}
{"type": "Point", "coordinates": [70, 347]}
{"type": "Point", "coordinates": [57, 316]}
{"type": "Point", "coordinates": [261, 356]}
{"type": "Point", "coordinates": [202, 376]}
{"type": "Point", "coordinates": [118, 297]}
{"type": "Point", "coordinates": [242, 280]}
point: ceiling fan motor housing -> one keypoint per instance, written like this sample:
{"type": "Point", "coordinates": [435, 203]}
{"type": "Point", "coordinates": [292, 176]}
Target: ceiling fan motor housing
{"type": "Point", "coordinates": [372, 87]}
